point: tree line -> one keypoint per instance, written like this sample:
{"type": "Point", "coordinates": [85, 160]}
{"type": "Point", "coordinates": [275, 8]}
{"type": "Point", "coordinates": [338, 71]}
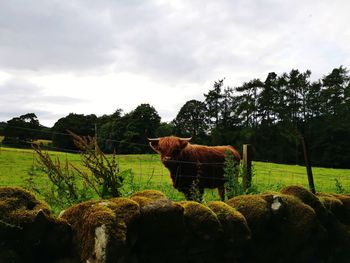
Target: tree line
{"type": "Point", "coordinates": [272, 114]}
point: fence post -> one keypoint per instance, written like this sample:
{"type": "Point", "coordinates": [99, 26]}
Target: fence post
{"type": "Point", "coordinates": [310, 176]}
{"type": "Point", "coordinates": [247, 166]}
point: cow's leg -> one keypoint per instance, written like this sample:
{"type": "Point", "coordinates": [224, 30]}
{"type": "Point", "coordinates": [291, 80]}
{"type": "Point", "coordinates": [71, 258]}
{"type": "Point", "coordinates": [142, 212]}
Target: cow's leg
{"type": "Point", "coordinates": [221, 191]}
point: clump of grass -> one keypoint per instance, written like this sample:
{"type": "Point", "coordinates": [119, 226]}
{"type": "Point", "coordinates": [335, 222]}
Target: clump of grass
{"type": "Point", "coordinates": [339, 189]}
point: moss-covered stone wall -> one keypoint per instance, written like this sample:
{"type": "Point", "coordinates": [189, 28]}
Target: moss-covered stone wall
{"type": "Point", "coordinates": [293, 225]}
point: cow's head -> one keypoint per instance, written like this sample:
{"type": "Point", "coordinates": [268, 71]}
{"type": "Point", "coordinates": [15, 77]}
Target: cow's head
{"type": "Point", "coordinates": [169, 148]}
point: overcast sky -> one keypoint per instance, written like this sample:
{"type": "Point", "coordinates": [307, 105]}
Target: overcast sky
{"type": "Point", "coordinates": [88, 56]}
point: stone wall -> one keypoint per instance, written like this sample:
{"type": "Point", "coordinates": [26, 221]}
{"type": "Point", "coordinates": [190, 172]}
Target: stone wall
{"type": "Point", "coordinates": [293, 225]}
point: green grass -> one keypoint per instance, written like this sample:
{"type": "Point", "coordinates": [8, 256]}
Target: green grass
{"type": "Point", "coordinates": [149, 173]}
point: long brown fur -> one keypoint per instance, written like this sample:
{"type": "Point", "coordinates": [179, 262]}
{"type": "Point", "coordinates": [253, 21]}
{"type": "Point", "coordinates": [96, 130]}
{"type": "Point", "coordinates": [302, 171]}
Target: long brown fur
{"type": "Point", "coordinates": [192, 164]}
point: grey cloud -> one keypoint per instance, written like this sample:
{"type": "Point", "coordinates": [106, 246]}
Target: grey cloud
{"type": "Point", "coordinates": [17, 90]}
{"type": "Point", "coordinates": [19, 97]}
{"type": "Point", "coordinates": [191, 42]}
{"type": "Point", "coordinates": [52, 35]}
{"type": "Point", "coordinates": [166, 42]}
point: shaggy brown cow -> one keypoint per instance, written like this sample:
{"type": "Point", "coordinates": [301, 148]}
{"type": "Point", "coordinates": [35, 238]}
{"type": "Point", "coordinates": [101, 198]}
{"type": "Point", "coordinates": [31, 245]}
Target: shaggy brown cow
{"type": "Point", "coordinates": [193, 165]}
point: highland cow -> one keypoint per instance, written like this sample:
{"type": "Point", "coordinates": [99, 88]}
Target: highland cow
{"type": "Point", "coordinates": [193, 167]}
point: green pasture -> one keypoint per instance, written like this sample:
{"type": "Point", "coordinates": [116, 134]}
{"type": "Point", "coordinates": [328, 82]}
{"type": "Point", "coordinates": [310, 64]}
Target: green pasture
{"type": "Point", "coordinates": [149, 173]}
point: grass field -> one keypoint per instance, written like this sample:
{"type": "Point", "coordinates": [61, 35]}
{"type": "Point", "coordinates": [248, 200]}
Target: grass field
{"type": "Point", "coordinates": [149, 173]}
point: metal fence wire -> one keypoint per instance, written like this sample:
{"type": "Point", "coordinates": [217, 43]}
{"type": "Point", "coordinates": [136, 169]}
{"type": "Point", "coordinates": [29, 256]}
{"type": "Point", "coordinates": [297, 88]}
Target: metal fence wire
{"type": "Point", "coordinates": [149, 173]}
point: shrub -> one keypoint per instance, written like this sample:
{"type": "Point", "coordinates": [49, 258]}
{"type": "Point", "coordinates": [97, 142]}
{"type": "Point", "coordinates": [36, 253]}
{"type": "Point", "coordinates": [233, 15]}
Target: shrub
{"type": "Point", "coordinates": [71, 184]}
{"type": "Point", "coordinates": [232, 174]}
{"type": "Point", "coordinates": [65, 189]}
{"type": "Point", "coordinates": [105, 177]}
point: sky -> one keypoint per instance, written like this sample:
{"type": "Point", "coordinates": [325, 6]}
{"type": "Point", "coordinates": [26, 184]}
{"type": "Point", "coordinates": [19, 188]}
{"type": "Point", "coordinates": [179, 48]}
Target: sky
{"type": "Point", "coordinates": [94, 57]}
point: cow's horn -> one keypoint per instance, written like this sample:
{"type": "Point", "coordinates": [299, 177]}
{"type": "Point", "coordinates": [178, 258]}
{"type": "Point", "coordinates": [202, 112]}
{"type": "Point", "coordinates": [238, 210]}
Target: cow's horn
{"type": "Point", "coordinates": [185, 139]}
{"type": "Point", "coordinates": [153, 139]}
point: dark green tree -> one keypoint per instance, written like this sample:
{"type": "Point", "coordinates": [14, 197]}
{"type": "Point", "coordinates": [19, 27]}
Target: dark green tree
{"type": "Point", "coordinates": [213, 103]}
{"type": "Point", "coordinates": [2, 128]}
{"type": "Point", "coordinates": [331, 129]}
{"type": "Point", "coordinates": [21, 130]}
{"type": "Point", "coordinates": [247, 107]}
{"type": "Point", "coordinates": [108, 118]}
{"type": "Point", "coordinates": [191, 121]}
{"type": "Point", "coordinates": [140, 124]}
{"type": "Point", "coordinates": [165, 129]}
{"type": "Point", "coordinates": [84, 125]}
{"type": "Point", "coordinates": [267, 100]}
{"type": "Point", "coordinates": [110, 130]}
{"type": "Point", "coordinates": [335, 91]}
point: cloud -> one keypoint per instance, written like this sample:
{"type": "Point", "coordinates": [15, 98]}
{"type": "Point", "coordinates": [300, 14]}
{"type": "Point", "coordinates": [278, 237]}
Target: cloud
{"type": "Point", "coordinates": [52, 35]}
{"type": "Point", "coordinates": [88, 56]}
{"type": "Point", "coordinates": [19, 96]}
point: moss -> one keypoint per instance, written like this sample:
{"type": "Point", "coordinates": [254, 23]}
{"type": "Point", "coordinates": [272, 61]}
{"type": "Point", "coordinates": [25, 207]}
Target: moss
{"type": "Point", "coordinates": [201, 221]}
{"type": "Point", "coordinates": [282, 227]}
{"type": "Point", "coordinates": [19, 206]}
{"type": "Point", "coordinates": [161, 219]}
{"type": "Point", "coordinates": [142, 201]}
{"type": "Point", "coordinates": [114, 216]}
{"type": "Point", "coordinates": [234, 224]}
{"type": "Point", "coordinates": [146, 197]}
{"type": "Point", "coordinates": [299, 217]}
{"type": "Point", "coordinates": [84, 218]}
{"type": "Point", "coordinates": [308, 198]}
{"type": "Point", "coordinates": [256, 211]}
{"type": "Point", "coordinates": [127, 213]}
{"type": "Point", "coordinates": [151, 194]}
{"type": "Point", "coordinates": [334, 205]}
{"type": "Point", "coordinates": [28, 229]}
{"type": "Point", "coordinates": [345, 199]}
{"type": "Point", "coordinates": [161, 232]}
{"type": "Point", "coordinates": [303, 229]}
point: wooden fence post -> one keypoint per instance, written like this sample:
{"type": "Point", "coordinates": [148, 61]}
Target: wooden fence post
{"type": "Point", "coordinates": [247, 166]}
{"type": "Point", "coordinates": [310, 176]}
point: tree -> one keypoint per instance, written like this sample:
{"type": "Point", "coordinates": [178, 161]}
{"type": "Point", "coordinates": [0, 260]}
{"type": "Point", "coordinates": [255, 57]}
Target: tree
{"type": "Point", "coordinates": [2, 128]}
{"type": "Point", "coordinates": [110, 129]}
{"type": "Point", "coordinates": [331, 129]}
{"type": "Point", "coordinates": [191, 121]}
{"type": "Point", "coordinates": [165, 129]}
{"type": "Point", "coordinates": [267, 100]}
{"type": "Point", "coordinates": [21, 130]}
{"type": "Point", "coordinates": [81, 124]}
{"type": "Point", "coordinates": [213, 101]}
{"type": "Point", "coordinates": [108, 118]}
{"type": "Point", "coordinates": [247, 108]}
{"type": "Point", "coordinates": [140, 124]}
{"type": "Point", "coordinates": [335, 89]}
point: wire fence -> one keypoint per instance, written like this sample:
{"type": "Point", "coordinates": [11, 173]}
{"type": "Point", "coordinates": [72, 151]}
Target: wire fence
{"type": "Point", "coordinates": [149, 172]}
